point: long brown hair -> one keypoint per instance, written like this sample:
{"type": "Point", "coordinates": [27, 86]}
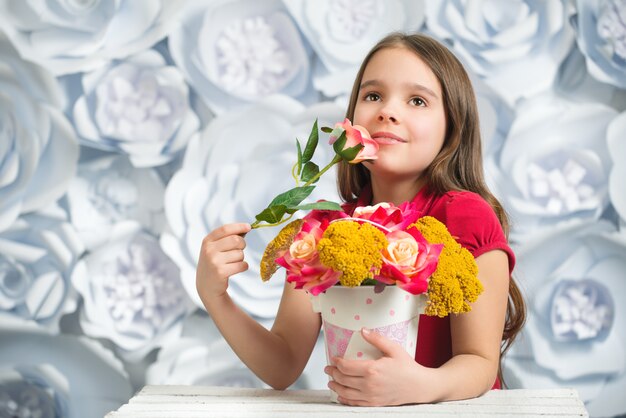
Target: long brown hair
{"type": "Point", "coordinates": [458, 166]}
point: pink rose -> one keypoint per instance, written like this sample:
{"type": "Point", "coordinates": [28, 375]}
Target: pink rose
{"type": "Point", "coordinates": [409, 260]}
{"type": "Point", "coordinates": [302, 260]}
{"type": "Point", "coordinates": [355, 135]}
{"type": "Point", "coordinates": [389, 216]}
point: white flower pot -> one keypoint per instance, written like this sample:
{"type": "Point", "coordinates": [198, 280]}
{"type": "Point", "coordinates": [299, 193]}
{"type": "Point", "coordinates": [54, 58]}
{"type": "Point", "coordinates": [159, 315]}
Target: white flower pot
{"type": "Point", "coordinates": [393, 313]}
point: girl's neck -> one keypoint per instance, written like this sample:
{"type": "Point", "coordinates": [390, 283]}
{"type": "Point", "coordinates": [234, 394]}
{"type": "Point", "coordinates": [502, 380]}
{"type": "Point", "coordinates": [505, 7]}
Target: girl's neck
{"type": "Point", "coordinates": [396, 192]}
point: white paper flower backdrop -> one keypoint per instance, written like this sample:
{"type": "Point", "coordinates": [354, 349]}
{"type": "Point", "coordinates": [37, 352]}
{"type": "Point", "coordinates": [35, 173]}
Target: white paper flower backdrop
{"type": "Point", "coordinates": [185, 115]}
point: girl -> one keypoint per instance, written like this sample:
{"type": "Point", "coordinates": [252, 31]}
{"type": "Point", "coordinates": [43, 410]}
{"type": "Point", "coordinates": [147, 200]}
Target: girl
{"type": "Point", "coordinates": [416, 100]}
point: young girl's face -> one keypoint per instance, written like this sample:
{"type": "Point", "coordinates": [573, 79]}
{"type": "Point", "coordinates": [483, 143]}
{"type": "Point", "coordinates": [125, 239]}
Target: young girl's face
{"type": "Point", "coordinates": [401, 104]}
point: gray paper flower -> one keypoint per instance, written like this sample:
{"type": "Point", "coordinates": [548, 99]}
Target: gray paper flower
{"type": "Point", "coordinates": [574, 335]}
{"type": "Point", "coordinates": [236, 53]}
{"type": "Point", "coordinates": [37, 256]}
{"type": "Point", "coordinates": [505, 42]}
{"type": "Point", "coordinates": [109, 190]}
{"type": "Point", "coordinates": [131, 291]}
{"type": "Point", "coordinates": [38, 147]}
{"type": "Point", "coordinates": [556, 161]}
{"type": "Point", "coordinates": [42, 375]}
{"type": "Point", "coordinates": [342, 31]}
{"type": "Point", "coordinates": [617, 147]}
{"type": "Point", "coordinates": [230, 173]}
{"type": "Point", "coordinates": [73, 36]}
{"type": "Point", "coordinates": [601, 35]}
{"type": "Point", "coordinates": [139, 107]}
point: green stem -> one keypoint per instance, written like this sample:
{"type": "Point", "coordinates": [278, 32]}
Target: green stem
{"type": "Point", "coordinates": [334, 161]}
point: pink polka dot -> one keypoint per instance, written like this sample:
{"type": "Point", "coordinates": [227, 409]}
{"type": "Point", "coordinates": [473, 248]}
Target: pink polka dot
{"type": "Point", "coordinates": [411, 343]}
{"type": "Point", "coordinates": [359, 354]}
{"type": "Point", "coordinates": [357, 317]}
{"type": "Point", "coordinates": [406, 297]}
{"type": "Point", "coordinates": [332, 311]}
{"type": "Point", "coordinates": [368, 301]}
{"type": "Point", "coordinates": [392, 312]}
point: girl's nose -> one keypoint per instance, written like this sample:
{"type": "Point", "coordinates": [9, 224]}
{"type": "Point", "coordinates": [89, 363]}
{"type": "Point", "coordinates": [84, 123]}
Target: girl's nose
{"type": "Point", "coordinates": [387, 115]}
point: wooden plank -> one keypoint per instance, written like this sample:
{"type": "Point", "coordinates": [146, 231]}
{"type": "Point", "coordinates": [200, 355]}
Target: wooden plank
{"type": "Point", "coordinates": [196, 401]}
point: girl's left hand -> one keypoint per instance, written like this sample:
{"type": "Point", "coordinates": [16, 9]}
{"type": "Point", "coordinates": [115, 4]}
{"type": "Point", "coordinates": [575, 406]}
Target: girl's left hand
{"type": "Point", "coordinates": [390, 380]}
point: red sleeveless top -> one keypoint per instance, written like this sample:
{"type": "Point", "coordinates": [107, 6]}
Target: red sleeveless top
{"type": "Point", "coordinates": [474, 224]}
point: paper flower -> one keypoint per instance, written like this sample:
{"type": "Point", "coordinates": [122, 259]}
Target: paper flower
{"type": "Point", "coordinates": [557, 163]}
{"type": "Point", "coordinates": [108, 190]}
{"type": "Point", "coordinates": [138, 106]}
{"type": "Point", "coordinates": [234, 54]}
{"type": "Point", "coordinates": [38, 148]}
{"type": "Point", "coordinates": [131, 291]}
{"type": "Point", "coordinates": [574, 335]}
{"type": "Point", "coordinates": [43, 375]}
{"type": "Point", "coordinates": [37, 256]}
{"type": "Point", "coordinates": [617, 148]}
{"type": "Point", "coordinates": [72, 36]}
{"type": "Point", "coordinates": [342, 32]}
{"type": "Point", "coordinates": [504, 43]}
{"type": "Point", "coordinates": [601, 36]}
{"type": "Point", "coordinates": [220, 183]}
{"type": "Point", "coordinates": [201, 356]}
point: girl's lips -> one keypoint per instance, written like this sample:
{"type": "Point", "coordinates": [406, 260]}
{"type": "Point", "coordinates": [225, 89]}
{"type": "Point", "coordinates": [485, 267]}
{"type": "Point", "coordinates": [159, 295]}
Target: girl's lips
{"type": "Point", "coordinates": [387, 138]}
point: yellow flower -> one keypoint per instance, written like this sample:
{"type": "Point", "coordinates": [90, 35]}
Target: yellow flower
{"type": "Point", "coordinates": [278, 245]}
{"type": "Point", "coordinates": [352, 249]}
{"type": "Point", "coordinates": [454, 285]}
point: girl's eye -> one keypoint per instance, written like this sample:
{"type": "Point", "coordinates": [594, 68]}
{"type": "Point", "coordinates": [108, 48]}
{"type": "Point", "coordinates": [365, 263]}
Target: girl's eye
{"type": "Point", "coordinates": [418, 101]}
{"type": "Point", "coordinates": [371, 97]}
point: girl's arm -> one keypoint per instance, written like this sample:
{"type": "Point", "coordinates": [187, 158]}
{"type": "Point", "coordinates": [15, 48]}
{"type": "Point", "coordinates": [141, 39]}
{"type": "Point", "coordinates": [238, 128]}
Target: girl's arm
{"type": "Point", "coordinates": [397, 379]}
{"type": "Point", "coordinates": [276, 356]}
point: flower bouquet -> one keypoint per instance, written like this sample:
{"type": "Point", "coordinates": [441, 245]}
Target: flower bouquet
{"type": "Point", "coordinates": [379, 267]}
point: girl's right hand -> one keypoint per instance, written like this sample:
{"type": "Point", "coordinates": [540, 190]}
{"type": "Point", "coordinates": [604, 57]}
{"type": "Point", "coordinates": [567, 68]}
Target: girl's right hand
{"type": "Point", "coordinates": [221, 256]}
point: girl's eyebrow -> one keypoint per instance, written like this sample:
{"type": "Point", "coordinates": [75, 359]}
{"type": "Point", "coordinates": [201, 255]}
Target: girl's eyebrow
{"type": "Point", "coordinates": [414, 86]}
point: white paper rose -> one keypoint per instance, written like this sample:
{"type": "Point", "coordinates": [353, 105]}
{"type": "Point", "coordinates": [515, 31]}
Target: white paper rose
{"type": "Point", "coordinates": [48, 376]}
{"type": "Point", "coordinates": [202, 357]}
{"type": "Point", "coordinates": [342, 32]}
{"type": "Point", "coordinates": [108, 190]}
{"type": "Point", "coordinates": [556, 162]}
{"type": "Point", "coordinates": [38, 147]}
{"type": "Point", "coordinates": [575, 83]}
{"type": "Point", "coordinates": [617, 148]}
{"type": "Point", "coordinates": [505, 42]}
{"type": "Point", "coordinates": [72, 36]}
{"type": "Point", "coordinates": [575, 332]}
{"type": "Point", "coordinates": [601, 35]}
{"type": "Point", "coordinates": [131, 292]}
{"type": "Point", "coordinates": [139, 106]}
{"type": "Point", "coordinates": [236, 53]}
{"type": "Point", "coordinates": [229, 174]}
{"type": "Point", "coordinates": [37, 256]}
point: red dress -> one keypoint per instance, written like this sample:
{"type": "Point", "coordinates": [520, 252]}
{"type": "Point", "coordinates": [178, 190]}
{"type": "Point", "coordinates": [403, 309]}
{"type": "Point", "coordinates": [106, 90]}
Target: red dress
{"type": "Point", "coordinates": [474, 224]}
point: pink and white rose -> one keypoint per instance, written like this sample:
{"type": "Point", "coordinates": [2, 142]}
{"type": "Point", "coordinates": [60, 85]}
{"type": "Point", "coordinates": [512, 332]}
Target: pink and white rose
{"type": "Point", "coordinates": [355, 135]}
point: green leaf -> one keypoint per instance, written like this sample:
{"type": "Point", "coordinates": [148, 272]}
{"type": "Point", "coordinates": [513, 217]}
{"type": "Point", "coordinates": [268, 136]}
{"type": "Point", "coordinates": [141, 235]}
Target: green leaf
{"type": "Point", "coordinates": [299, 156]}
{"type": "Point", "coordinates": [311, 144]}
{"type": "Point", "coordinates": [326, 129]}
{"type": "Point", "coordinates": [309, 171]}
{"type": "Point", "coordinates": [350, 154]}
{"type": "Point", "coordinates": [340, 143]}
{"type": "Point", "coordinates": [324, 205]}
{"type": "Point", "coordinates": [292, 198]}
{"type": "Point", "coordinates": [272, 214]}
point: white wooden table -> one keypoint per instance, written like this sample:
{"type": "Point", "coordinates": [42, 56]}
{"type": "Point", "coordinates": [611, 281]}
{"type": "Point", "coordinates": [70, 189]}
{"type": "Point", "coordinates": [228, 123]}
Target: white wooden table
{"type": "Point", "coordinates": [204, 401]}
